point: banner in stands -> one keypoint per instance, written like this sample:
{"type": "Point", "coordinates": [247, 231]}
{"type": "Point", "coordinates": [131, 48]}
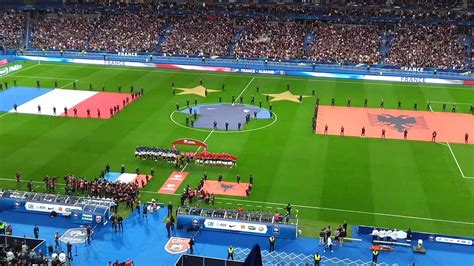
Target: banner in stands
{"type": "Point", "coordinates": [236, 226]}
{"type": "Point", "coordinates": [414, 77]}
{"type": "Point", "coordinates": [190, 142]}
{"type": "Point", "coordinates": [45, 207]}
{"type": "Point", "coordinates": [3, 62]}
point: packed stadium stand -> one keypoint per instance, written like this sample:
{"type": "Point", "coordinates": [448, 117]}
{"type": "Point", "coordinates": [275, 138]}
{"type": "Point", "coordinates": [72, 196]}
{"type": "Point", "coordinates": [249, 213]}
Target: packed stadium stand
{"type": "Point", "coordinates": [361, 32]}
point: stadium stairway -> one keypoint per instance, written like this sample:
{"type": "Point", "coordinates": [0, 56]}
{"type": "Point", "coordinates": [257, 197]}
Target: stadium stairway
{"type": "Point", "coordinates": [466, 40]}
{"type": "Point", "coordinates": [284, 258]}
{"type": "Point", "coordinates": [28, 32]}
{"type": "Point", "coordinates": [239, 31]}
{"type": "Point", "coordinates": [385, 45]}
{"type": "Point", "coordinates": [162, 38]}
{"type": "Point", "coordinates": [308, 41]}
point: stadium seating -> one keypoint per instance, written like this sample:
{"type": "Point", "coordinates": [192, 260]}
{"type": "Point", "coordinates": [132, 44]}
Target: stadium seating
{"type": "Point", "coordinates": [12, 28]}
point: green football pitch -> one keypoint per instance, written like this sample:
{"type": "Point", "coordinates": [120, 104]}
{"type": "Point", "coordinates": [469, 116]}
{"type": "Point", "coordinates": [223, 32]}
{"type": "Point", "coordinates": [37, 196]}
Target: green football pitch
{"type": "Point", "coordinates": [329, 179]}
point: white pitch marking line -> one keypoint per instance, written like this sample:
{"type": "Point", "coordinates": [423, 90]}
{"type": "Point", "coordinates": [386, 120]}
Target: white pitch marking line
{"type": "Point", "coordinates": [39, 77]}
{"type": "Point", "coordinates": [199, 148]}
{"type": "Point", "coordinates": [242, 92]}
{"type": "Point", "coordinates": [453, 103]}
{"type": "Point", "coordinates": [455, 160]}
{"type": "Point", "coordinates": [452, 153]}
{"type": "Point", "coordinates": [62, 87]}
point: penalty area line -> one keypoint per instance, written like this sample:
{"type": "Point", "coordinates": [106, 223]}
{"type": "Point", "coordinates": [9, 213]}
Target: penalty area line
{"type": "Point", "coordinates": [242, 92]}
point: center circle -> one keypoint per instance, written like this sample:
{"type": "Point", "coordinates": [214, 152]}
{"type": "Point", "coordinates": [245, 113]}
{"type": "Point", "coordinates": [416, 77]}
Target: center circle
{"type": "Point", "coordinates": [223, 117]}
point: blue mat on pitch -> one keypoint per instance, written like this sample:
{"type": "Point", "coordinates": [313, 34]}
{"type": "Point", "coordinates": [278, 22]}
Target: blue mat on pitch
{"type": "Point", "coordinates": [19, 96]}
{"type": "Point", "coordinates": [112, 176]}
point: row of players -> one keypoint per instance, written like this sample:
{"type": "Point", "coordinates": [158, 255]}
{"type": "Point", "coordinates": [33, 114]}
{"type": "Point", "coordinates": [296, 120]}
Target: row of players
{"type": "Point", "coordinates": [173, 155]}
{"type": "Point", "coordinates": [434, 134]}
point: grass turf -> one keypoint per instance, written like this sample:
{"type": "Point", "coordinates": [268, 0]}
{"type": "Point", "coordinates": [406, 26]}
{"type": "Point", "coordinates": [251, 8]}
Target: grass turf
{"type": "Point", "coordinates": [391, 183]}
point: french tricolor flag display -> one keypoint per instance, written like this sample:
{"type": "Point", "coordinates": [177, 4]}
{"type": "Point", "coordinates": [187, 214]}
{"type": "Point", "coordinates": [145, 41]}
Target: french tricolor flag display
{"type": "Point", "coordinates": [128, 178]}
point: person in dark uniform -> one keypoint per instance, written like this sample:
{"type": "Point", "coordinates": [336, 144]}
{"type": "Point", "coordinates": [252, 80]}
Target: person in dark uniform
{"type": "Point", "coordinates": [288, 209]}
{"type": "Point", "coordinates": [241, 99]}
{"type": "Point", "coordinates": [219, 178]}
{"type": "Point", "coordinates": [88, 234]}
{"type": "Point", "coordinates": [317, 259]}
{"type": "Point", "coordinates": [453, 110]}
{"type": "Point", "coordinates": [187, 103]}
{"type": "Point", "coordinates": [272, 240]}
{"type": "Point", "coordinates": [375, 255]}
{"type": "Point", "coordinates": [220, 99]}
{"type": "Point", "coordinates": [405, 134]}
{"type": "Point", "coordinates": [98, 113]}
{"type": "Point", "coordinates": [444, 107]}
{"type": "Point", "coordinates": [69, 250]}
{"type": "Point", "coordinates": [195, 101]}
{"type": "Point", "coordinates": [122, 169]}
{"type": "Point", "coordinates": [170, 208]}
{"type": "Point", "coordinates": [54, 110]}
{"type": "Point", "coordinates": [200, 81]}
{"type": "Point", "coordinates": [349, 101]}
{"type": "Point", "coordinates": [382, 104]}
{"type": "Point", "coordinates": [415, 106]}
{"type": "Point", "coordinates": [238, 179]}
{"type": "Point", "coordinates": [38, 83]}
{"type": "Point", "coordinates": [177, 106]}
{"type": "Point", "coordinates": [260, 103]}
{"type": "Point", "coordinates": [192, 123]}
{"type": "Point", "coordinates": [15, 106]}
{"type": "Point", "coordinates": [399, 105]}
{"type": "Point", "coordinates": [14, 83]}
{"type": "Point", "coordinates": [251, 179]}
{"type": "Point", "coordinates": [342, 131]}
{"type": "Point", "coordinates": [233, 99]}
{"type": "Point", "coordinates": [258, 89]}
{"type": "Point", "coordinates": [226, 126]}
{"type": "Point", "coordinates": [433, 136]}
{"type": "Point", "coordinates": [65, 111]}
{"type": "Point", "coordinates": [362, 133]}
{"type": "Point", "coordinates": [383, 133]}
{"type": "Point", "coordinates": [191, 246]}
{"type": "Point", "coordinates": [333, 102]}
{"type": "Point", "coordinates": [252, 99]}
{"type": "Point", "coordinates": [88, 113]}
{"type": "Point", "coordinates": [471, 111]}
{"type": "Point", "coordinates": [39, 109]}
{"type": "Point", "coordinates": [267, 98]}
{"type": "Point", "coordinates": [187, 121]}
{"type": "Point", "coordinates": [300, 98]}
{"type": "Point", "coordinates": [239, 125]}
{"type": "Point", "coordinates": [205, 92]}
{"type": "Point", "coordinates": [215, 125]}
{"type": "Point", "coordinates": [75, 111]}
{"type": "Point", "coordinates": [36, 231]}
{"type": "Point", "coordinates": [287, 87]}
{"type": "Point", "coordinates": [326, 129]}
{"type": "Point", "coordinates": [230, 253]}
{"type": "Point", "coordinates": [365, 102]}
{"type": "Point", "coordinates": [466, 138]}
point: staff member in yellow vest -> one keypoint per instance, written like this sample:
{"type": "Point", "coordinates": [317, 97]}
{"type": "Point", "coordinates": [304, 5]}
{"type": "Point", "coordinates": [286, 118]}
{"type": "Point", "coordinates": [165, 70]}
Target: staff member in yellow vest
{"type": "Point", "coordinates": [230, 253]}
{"type": "Point", "coordinates": [317, 259]}
{"type": "Point", "coordinates": [375, 254]}
{"type": "Point", "coordinates": [272, 240]}
{"type": "Point", "coordinates": [2, 228]}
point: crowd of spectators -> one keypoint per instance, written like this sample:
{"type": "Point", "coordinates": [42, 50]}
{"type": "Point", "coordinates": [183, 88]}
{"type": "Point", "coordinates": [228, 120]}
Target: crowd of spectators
{"type": "Point", "coordinates": [427, 46]}
{"type": "Point", "coordinates": [12, 28]}
{"type": "Point", "coordinates": [20, 254]}
{"type": "Point", "coordinates": [128, 31]}
{"type": "Point", "coordinates": [346, 43]}
{"type": "Point", "coordinates": [63, 31]}
{"type": "Point", "coordinates": [271, 39]}
{"type": "Point", "coordinates": [200, 35]}
{"type": "Point", "coordinates": [119, 191]}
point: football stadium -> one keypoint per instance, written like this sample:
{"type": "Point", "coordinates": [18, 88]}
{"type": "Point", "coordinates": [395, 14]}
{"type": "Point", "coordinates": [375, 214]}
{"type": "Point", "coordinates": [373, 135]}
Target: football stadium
{"type": "Point", "coordinates": [140, 132]}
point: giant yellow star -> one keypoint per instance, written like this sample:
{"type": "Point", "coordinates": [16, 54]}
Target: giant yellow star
{"type": "Point", "coordinates": [285, 96]}
{"type": "Point", "coordinates": [198, 90]}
